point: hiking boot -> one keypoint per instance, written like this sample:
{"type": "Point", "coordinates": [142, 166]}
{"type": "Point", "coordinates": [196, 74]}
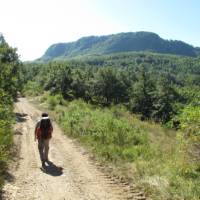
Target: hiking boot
{"type": "Point", "coordinates": [43, 164]}
{"type": "Point", "coordinates": [48, 162]}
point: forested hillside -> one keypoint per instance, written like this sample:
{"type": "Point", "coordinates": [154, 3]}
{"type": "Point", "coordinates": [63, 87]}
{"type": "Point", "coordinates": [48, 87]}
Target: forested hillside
{"type": "Point", "coordinates": [122, 42]}
{"type": "Point", "coordinates": [9, 85]}
{"type": "Point", "coordinates": [149, 84]}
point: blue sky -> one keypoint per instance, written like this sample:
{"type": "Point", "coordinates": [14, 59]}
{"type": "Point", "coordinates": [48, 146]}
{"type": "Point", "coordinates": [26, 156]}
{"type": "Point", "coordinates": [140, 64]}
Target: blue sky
{"type": "Point", "coordinates": [33, 25]}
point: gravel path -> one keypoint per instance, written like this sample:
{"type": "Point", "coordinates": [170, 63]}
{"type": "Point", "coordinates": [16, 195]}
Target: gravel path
{"type": "Point", "coordinates": [72, 176]}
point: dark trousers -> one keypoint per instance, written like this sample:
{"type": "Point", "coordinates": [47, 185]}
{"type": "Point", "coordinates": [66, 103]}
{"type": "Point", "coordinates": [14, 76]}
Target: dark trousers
{"type": "Point", "coordinates": [43, 147]}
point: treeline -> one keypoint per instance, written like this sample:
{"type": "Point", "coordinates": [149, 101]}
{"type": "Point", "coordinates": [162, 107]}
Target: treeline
{"type": "Point", "coordinates": [148, 84]}
{"type": "Point", "coordinates": [9, 85]}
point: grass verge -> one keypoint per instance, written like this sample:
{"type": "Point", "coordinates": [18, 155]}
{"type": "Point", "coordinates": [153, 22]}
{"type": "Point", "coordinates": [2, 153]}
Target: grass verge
{"type": "Point", "coordinates": [5, 139]}
{"type": "Point", "coordinates": [143, 152]}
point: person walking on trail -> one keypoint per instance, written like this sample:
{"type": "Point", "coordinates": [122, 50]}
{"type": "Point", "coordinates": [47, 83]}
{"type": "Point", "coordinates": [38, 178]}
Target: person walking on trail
{"type": "Point", "coordinates": [43, 133]}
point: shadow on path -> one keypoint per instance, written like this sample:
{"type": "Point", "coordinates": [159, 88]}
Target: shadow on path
{"type": "Point", "coordinates": [9, 177]}
{"type": "Point", "coordinates": [52, 169]}
{"type": "Point", "coordinates": [21, 117]}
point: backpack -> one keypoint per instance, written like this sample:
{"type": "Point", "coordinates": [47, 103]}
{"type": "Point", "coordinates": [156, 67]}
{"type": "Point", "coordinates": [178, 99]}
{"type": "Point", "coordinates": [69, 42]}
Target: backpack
{"type": "Point", "coordinates": [44, 133]}
{"type": "Point", "coordinates": [45, 128]}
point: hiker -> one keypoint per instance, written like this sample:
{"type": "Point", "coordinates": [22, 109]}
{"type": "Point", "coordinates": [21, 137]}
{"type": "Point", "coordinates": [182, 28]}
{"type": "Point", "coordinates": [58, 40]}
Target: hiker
{"type": "Point", "coordinates": [43, 133]}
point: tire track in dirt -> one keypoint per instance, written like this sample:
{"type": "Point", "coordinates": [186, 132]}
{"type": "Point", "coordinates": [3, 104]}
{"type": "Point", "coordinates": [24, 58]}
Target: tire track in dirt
{"type": "Point", "coordinates": [80, 178]}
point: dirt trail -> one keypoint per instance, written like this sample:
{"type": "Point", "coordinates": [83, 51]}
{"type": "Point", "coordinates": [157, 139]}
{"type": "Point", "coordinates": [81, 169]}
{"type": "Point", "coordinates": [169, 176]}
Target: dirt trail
{"type": "Point", "coordinates": [80, 178]}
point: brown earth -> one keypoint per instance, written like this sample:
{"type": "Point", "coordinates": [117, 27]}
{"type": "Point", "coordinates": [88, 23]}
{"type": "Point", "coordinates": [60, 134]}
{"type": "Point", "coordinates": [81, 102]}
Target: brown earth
{"type": "Point", "coordinates": [72, 174]}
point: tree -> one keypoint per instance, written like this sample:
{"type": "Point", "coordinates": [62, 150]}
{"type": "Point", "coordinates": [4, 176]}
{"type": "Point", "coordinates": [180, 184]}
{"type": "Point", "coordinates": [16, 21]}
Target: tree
{"type": "Point", "coordinates": [79, 84]}
{"type": "Point", "coordinates": [9, 68]}
{"type": "Point", "coordinates": [109, 88]}
{"type": "Point", "coordinates": [143, 94]}
{"type": "Point", "coordinates": [166, 96]}
{"type": "Point", "coordinates": [9, 84]}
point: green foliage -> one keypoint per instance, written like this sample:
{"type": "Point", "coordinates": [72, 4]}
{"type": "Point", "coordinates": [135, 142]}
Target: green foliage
{"type": "Point", "coordinates": [57, 78]}
{"type": "Point", "coordinates": [53, 101]}
{"type": "Point", "coordinates": [142, 96]}
{"type": "Point", "coordinates": [122, 42]}
{"type": "Point", "coordinates": [190, 119]}
{"type": "Point", "coordinates": [148, 84]}
{"type": "Point", "coordinates": [187, 165]}
{"type": "Point", "coordinates": [110, 88]}
{"type": "Point", "coordinates": [190, 125]}
{"type": "Point", "coordinates": [29, 71]}
{"type": "Point", "coordinates": [155, 87]}
{"type": "Point", "coordinates": [105, 132]}
{"type": "Point", "coordinates": [9, 69]}
{"type": "Point", "coordinates": [5, 132]}
{"type": "Point", "coordinates": [32, 88]}
{"type": "Point", "coordinates": [157, 156]}
{"type": "Point", "coordinates": [9, 85]}
{"type": "Point", "coordinates": [165, 101]}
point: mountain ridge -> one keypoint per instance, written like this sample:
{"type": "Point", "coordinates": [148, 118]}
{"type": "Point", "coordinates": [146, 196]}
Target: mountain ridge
{"type": "Point", "coordinates": [120, 42]}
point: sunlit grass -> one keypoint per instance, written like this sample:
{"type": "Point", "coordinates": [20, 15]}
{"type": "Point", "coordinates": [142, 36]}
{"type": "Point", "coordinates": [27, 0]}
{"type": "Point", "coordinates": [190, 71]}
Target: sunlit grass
{"type": "Point", "coordinates": [143, 152]}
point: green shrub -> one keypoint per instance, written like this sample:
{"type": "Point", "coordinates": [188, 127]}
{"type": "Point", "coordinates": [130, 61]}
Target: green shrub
{"type": "Point", "coordinates": [32, 88]}
{"type": "Point", "coordinates": [5, 133]}
{"type": "Point", "coordinates": [53, 101]}
{"type": "Point", "coordinates": [111, 134]}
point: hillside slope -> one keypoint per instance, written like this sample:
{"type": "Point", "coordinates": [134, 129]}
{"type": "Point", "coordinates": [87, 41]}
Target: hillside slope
{"type": "Point", "coordinates": [122, 42]}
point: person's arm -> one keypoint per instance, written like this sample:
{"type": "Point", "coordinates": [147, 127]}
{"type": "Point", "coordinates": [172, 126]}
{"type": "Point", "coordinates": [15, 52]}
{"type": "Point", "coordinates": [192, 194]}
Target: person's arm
{"type": "Point", "coordinates": [50, 130]}
{"type": "Point", "coordinates": [51, 127]}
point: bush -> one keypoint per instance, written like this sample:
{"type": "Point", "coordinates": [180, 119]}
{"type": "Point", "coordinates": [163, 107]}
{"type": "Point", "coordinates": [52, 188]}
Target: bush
{"type": "Point", "coordinates": [53, 101]}
{"type": "Point", "coordinates": [109, 134]}
{"type": "Point", "coordinates": [5, 132]}
{"type": "Point", "coordinates": [32, 88]}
